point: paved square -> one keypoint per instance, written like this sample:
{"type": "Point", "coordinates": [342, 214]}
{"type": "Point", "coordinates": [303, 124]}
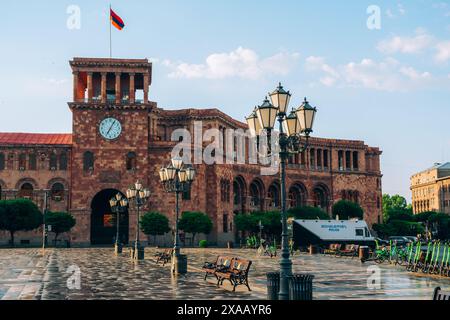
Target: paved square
{"type": "Point", "coordinates": [25, 274]}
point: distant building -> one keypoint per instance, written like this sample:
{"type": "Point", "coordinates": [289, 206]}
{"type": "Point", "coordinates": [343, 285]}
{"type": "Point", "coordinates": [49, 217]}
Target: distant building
{"type": "Point", "coordinates": [120, 136]}
{"type": "Point", "coordinates": [431, 189]}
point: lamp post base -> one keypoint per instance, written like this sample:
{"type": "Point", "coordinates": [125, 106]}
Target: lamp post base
{"type": "Point", "coordinates": [118, 248]}
{"type": "Point", "coordinates": [137, 254]}
{"type": "Point", "coordinates": [179, 264]}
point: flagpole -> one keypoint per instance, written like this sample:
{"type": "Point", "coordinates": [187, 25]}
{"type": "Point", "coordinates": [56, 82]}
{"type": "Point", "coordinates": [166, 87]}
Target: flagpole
{"type": "Point", "coordinates": [110, 36]}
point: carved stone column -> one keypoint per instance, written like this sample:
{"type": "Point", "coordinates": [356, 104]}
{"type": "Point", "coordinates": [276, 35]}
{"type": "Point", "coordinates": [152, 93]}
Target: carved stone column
{"type": "Point", "coordinates": [104, 87]}
{"type": "Point", "coordinates": [132, 88]}
{"type": "Point", "coordinates": [118, 88]}
{"type": "Point", "coordinates": [90, 87]}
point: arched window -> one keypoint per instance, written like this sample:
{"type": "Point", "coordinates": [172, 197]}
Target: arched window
{"type": "Point", "coordinates": [32, 162]}
{"type": "Point", "coordinates": [22, 161]}
{"type": "Point", "coordinates": [53, 161]}
{"type": "Point", "coordinates": [26, 191]}
{"type": "Point", "coordinates": [88, 161]}
{"type": "Point", "coordinates": [320, 198]}
{"type": "Point", "coordinates": [274, 196]}
{"type": "Point", "coordinates": [296, 196]}
{"type": "Point", "coordinates": [2, 161]}
{"type": "Point", "coordinates": [63, 161]}
{"type": "Point", "coordinates": [256, 195]}
{"type": "Point", "coordinates": [131, 161]}
{"type": "Point", "coordinates": [57, 191]}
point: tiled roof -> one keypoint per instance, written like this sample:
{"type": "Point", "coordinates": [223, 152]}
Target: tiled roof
{"type": "Point", "coordinates": [13, 138]}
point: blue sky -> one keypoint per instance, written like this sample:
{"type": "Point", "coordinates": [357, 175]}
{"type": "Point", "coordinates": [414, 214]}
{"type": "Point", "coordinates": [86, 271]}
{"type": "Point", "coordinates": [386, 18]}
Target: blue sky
{"type": "Point", "coordinates": [389, 87]}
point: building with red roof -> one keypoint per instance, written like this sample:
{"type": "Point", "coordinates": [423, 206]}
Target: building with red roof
{"type": "Point", "coordinates": [120, 136]}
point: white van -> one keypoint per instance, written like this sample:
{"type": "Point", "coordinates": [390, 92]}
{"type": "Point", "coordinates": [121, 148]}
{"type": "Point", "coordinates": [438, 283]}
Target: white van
{"type": "Point", "coordinates": [325, 232]}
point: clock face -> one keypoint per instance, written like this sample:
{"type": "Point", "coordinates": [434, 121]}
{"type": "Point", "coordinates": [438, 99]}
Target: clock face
{"type": "Point", "coordinates": [110, 128]}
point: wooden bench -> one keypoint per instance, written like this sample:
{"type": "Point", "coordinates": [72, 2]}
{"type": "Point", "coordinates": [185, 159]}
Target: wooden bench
{"type": "Point", "coordinates": [237, 273]}
{"type": "Point", "coordinates": [350, 250]}
{"type": "Point", "coordinates": [222, 262]}
{"type": "Point", "coordinates": [164, 256]}
{"type": "Point", "coordinates": [440, 295]}
{"type": "Point", "coordinates": [334, 248]}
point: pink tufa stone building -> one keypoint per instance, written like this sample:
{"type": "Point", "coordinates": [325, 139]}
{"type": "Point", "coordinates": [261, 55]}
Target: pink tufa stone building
{"type": "Point", "coordinates": [84, 169]}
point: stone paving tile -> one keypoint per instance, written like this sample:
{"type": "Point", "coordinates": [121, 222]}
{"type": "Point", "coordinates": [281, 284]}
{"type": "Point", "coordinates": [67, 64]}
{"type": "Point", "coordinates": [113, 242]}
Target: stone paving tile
{"type": "Point", "coordinates": [21, 273]}
{"type": "Point", "coordinates": [25, 274]}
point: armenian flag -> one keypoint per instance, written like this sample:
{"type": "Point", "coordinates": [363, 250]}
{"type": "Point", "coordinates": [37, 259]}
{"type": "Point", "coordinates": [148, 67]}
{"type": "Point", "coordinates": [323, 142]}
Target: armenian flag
{"type": "Point", "coordinates": [116, 20]}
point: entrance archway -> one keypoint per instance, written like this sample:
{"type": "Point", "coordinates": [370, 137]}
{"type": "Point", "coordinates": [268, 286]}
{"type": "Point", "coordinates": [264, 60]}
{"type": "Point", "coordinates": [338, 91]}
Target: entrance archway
{"type": "Point", "coordinates": [103, 220]}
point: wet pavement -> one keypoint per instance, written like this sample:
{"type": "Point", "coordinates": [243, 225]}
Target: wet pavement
{"type": "Point", "coordinates": [95, 273]}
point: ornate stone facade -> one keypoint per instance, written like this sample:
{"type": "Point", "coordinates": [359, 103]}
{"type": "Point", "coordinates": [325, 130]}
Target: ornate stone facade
{"type": "Point", "coordinates": [98, 167]}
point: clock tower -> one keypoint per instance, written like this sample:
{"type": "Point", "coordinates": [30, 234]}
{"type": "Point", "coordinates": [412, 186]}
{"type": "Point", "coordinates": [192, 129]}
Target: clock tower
{"type": "Point", "coordinates": [111, 125]}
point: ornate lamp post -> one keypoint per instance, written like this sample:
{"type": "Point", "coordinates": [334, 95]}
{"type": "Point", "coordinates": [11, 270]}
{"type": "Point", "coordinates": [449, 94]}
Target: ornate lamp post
{"type": "Point", "coordinates": [294, 131]}
{"type": "Point", "coordinates": [118, 205]}
{"type": "Point", "coordinates": [176, 178]}
{"type": "Point", "coordinates": [139, 195]}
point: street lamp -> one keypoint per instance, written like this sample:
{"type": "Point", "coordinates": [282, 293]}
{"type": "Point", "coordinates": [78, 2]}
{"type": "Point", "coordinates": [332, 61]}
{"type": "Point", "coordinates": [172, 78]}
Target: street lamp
{"type": "Point", "coordinates": [118, 205]}
{"type": "Point", "coordinates": [139, 195]}
{"type": "Point", "coordinates": [177, 178]}
{"type": "Point", "coordinates": [294, 131]}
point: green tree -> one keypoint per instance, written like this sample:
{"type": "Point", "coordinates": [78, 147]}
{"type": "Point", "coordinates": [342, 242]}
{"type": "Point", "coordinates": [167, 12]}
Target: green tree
{"type": "Point", "coordinates": [393, 203]}
{"type": "Point", "coordinates": [245, 222]}
{"type": "Point", "coordinates": [60, 221]}
{"type": "Point", "coordinates": [308, 213]}
{"type": "Point", "coordinates": [347, 210]}
{"type": "Point", "coordinates": [400, 214]}
{"type": "Point", "coordinates": [154, 224]}
{"type": "Point", "coordinates": [195, 222]}
{"type": "Point", "coordinates": [19, 215]}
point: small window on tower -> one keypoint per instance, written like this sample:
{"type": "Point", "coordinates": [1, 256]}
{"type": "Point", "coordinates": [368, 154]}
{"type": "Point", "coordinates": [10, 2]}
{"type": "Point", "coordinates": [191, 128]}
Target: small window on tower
{"type": "Point", "coordinates": [131, 161]}
{"type": "Point", "coordinates": [88, 161]}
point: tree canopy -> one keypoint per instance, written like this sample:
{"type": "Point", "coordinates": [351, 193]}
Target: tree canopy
{"type": "Point", "coordinates": [60, 221]}
{"type": "Point", "coordinates": [308, 213]}
{"type": "Point", "coordinates": [345, 210]}
{"type": "Point", "coordinates": [195, 222]}
{"type": "Point", "coordinates": [154, 224]}
{"type": "Point", "coordinates": [19, 215]}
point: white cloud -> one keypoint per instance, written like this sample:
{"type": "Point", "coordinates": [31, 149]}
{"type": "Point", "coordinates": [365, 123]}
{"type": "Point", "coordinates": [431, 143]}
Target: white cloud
{"type": "Point", "coordinates": [400, 10]}
{"type": "Point", "coordinates": [314, 63]}
{"type": "Point", "coordinates": [386, 75]}
{"type": "Point", "coordinates": [390, 14]}
{"type": "Point", "coordinates": [443, 51]}
{"type": "Point", "coordinates": [415, 44]}
{"type": "Point", "coordinates": [241, 63]}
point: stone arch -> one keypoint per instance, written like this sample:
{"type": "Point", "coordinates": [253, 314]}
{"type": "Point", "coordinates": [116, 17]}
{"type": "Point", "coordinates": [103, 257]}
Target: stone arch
{"type": "Point", "coordinates": [58, 188]}
{"type": "Point", "coordinates": [31, 181]}
{"type": "Point", "coordinates": [103, 220]}
{"type": "Point", "coordinates": [63, 181]}
{"type": "Point", "coordinates": [297, 195]}
{"type": "Point", "coordinates": [321, 196]}
{"type": "Point", "coordinates": [256, 194]}
{"type": "Point", "coordinates": [274, 195]}
{"type": "Point", "coordinates": [239, 194]}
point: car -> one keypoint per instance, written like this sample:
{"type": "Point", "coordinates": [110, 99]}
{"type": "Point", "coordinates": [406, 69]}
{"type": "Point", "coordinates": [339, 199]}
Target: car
{"type": "Point", "coordinates": [399, 240]}
{"type": "Point", "coordinates": [411, 238]}
{"type": "Point", "coordinates": [382, 242]}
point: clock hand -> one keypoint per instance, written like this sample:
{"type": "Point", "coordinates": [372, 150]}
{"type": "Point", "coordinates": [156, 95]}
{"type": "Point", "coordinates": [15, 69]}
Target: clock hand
{"type": "Point", "coordinates": [114, 122]}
